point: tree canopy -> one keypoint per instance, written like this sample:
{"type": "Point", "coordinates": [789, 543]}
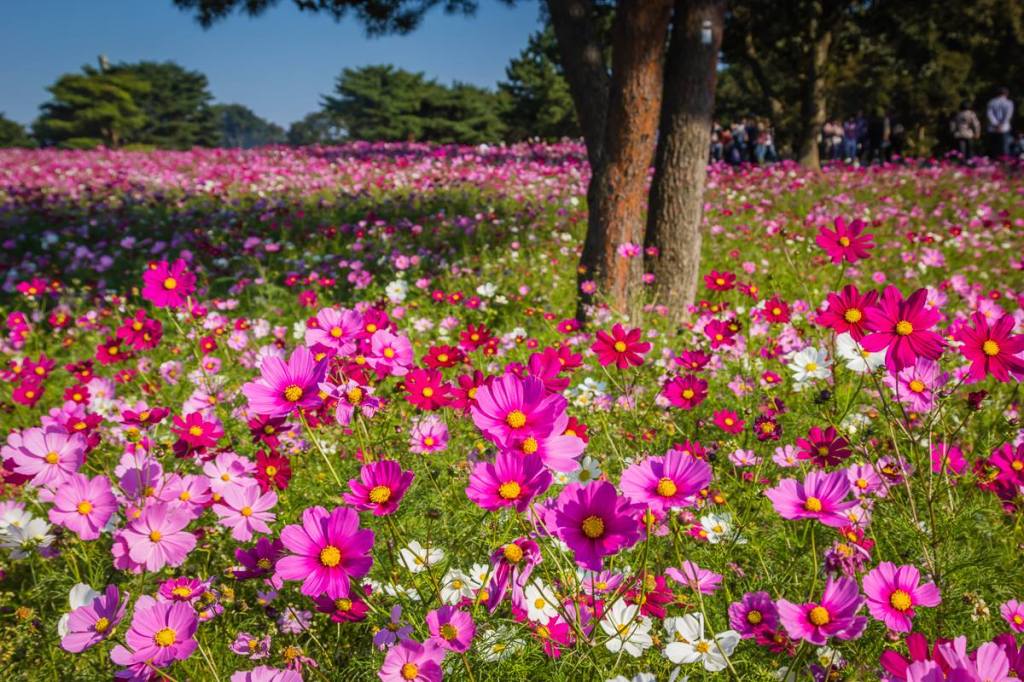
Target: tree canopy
{"type": "Point", "coordinates": [537, 98]}
{"type": "Point", "coordinates": [13, 134]}
{"type": "Point", "coordinates": [238, 126]}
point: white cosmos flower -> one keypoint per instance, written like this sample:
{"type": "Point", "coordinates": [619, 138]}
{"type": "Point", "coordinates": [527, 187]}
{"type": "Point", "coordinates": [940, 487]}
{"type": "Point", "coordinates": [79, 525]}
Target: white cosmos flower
{"type": "Point", "coordinates": [22, 540]}
{"type": "Point", "coordinates": [540, 602]}
{"type": "Point", "coordinates": [855, 357]}
{"type": "Point", "coordinates": [718, 528]}
{"type": "Point", "coordinates": [589, 470]}
{"type": "Point", "coordinates": [689, 644]}
{"type": "Point", "coordinates": [80, 595]}
{"type": "Point", "coordinates": [397, 290]}
{"type": "Point", "coordinates": [15, 516]}
{"type": "Point", "coordinates": [457, 586]}
{"type": "Point", "coordinates": [810, 363]}
{"type": "Point", "coordinates": [486, 290]}
{"type": "Point", "coordinates": [499, 643]}
{"type": "Point", "coordinates": [628, 632]}
{"type": "Point", "coordinates": [416, 557]}
{"type": "Point", "coordinates": [639, 677]}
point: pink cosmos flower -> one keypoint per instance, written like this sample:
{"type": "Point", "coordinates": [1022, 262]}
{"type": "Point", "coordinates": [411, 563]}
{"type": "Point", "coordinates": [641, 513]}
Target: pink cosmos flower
{"type": "Point", "coordinates": [847, 242]}
{"type": "Point", "coordinates": [47, 455]}
{"type": "Point", "coordinates": [336, 329]}
{"type": "Point", "coordinates": [264, 673]}
{"type": "Point", "coordinates": [685, 392]}
{"type": "Point", "coordinates": [511, 481]}
{"type": "Point", "coordinates": [168, 285]}
{"type": "Point", "coordinates": [428, 435]}
{"type": "Point", "coordinates": [594, 522]}
{"type": "Point", "coordinates": [510, 407]}
{"type": "Point", "coordinates": [390, 353]}
{"type": "Point", "coordinates": [352, 396]}
{"type": "Point", "coordinates": [282, 387]}
{"type": "Point", "coordinates": [720, 334]}
{"type": "Point", "coordinates": [894, 592]}
{"type": "Point", "coordinates": [845, 311]}
{"type": "Point", "coordinates": [666, 482]}
{"type": "Point", "coordinates": [245, 511]}
{"type": "Point", "coordinates": [824, 447]}
{"type": "Point", "coordinates": [158, 537]}
{"type": "Point", "coordinates": [512, 564]}
{"type": "Point", "coordinates": [83, 505]}
{"type": "Point", "coordinates": [91, 624]}
{"type": "Point", "coordinates": [327, 551]}
{"type": "Point", "coordinates": [695, 577]}
{"type": "Point", "coordinates": [410, 661]}
{"type": "Point", "coordinates": [380, 487]}
{"type": "Point", "coordinates": [901, 328]}
{"type": "Point", "coordinates": [426, 389]}
{"type": "Point", "coordinates": [729, 421]}
{"type": "Point", "coordinates": [821, 496]}
{"type": "Point", "coordinates": [756, 611]}
{"type": "Point", "coordinates": [451, 628]}
{"type": "Point", "coordinates": [160, 633]}
{"type": "Point", "coordinates": [833, 616]}
{"type": "Point", "coordinates": [991, 350]}
{"type": "Point", "coordinates": [621, 347]}
{"type": "Point", "coordinates": [949, 457]}
{"type": "Point", "coordinates": [1012, 612]}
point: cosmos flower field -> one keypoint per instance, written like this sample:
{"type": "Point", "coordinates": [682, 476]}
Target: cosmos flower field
{"type": "Point", "coordinates": [325, 414]}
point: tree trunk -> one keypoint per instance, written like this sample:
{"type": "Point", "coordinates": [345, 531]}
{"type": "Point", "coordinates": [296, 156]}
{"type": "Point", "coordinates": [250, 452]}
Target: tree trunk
{"type": "Point", "coordinates": [812, 105]}
{"type": "Point", "coordinates": [677, 193]}
{"type": "Point", "coordinates": [616, 197]}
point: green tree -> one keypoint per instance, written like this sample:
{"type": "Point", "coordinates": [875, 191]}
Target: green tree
{"type": "Point", "coordinates": [13, 134]}
{"type": "Point", "coordinates": [538, 101]}
{"type": "Point", "coordinates": [318, 127]}
{"type": "Point", "coordinates": [238, 126]}
{"type": "Point", "coordinates": [462, 113]}
{"type": "Point", "coordinates": [92, 108]}
{"type": "Point", "coordinates": [176, 106]}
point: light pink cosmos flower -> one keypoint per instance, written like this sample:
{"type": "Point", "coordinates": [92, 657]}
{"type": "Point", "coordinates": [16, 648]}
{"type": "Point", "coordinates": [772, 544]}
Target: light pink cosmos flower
{"type": "Point", "coordinates": [245, 511]}
{"type": "Point", "coordinates": [894, 592]}
{"type": "Point", "coordinates": [46, 455]}
{"type": "Point", "coordinates": [336, 329]}
{"type": "Point", "coordinates": [1012, 612]}
{"type": "Point", "coordinates": [158, 537]}
{"type": "Point", "coordinates": [833, 616]}
{"type": "Point", "coordinates": [283, 388]}
{"type": "Point", "coordinates": [352, 396]}
{"type": "Point", "coordinates": [821, 496]}
{"type": "Point", "coordinates": [695, 577]}
{"type": "Point", "coordinates": [429, 434]}
{"type": "Point", "coordinates": [264, 673]}
{"type": "Point", "coordinates": [83, 505]}
{"type": "Point", "coordinates": [410, 661]}
{"type": "Point", "coordinates": [91, 624]}
{"type": "Point", "coordinates": [665, 482]}
{"type": "Point", "coordinates": [160, 633]}
{"type": "Point", "coordinates": [390, 353]}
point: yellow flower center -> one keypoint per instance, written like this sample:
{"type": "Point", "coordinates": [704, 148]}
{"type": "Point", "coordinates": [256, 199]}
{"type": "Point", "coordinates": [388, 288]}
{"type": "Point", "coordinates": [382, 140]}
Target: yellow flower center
{"type": "Point", "coordinates": [155, 535]}
{"type": "Point", "coordinates": [811, 366]}
{"type": "Point", "coordinates": [917, 386]}
{"type": "Point", "coordinates": [344, 605]}
{"type": "Point", "coordinates": [336, 332]}
{"type": "Point", "coordinates": [845, 241]}
{"type": "Point", "coordinates": [516, 419]}
{"type": "Point", "coordinates": [330, 556]}
{"type": "Point", "coordinates": [819, 616]}
{"type": "Point", "coordinates": [900, 600]}
{"type": "Point", "coordinates": [853, 315]}
{"type": "Point", "coordinates": [84, 507]}
{"type": "Point", "coordinates": [620, 347]}
{"type": "Point", "coordinates": [990, 348]}
{"type": "Point", "coordinates": [688, 393]}
{"type": "Point", "coordinates": [380, 494]}
{"type": "Point", "coordinates": [861, 483]}
{"type": "Point", "coordinates": [719, 281]}
{"type": "Point", "coordinates": [813, 504]}
{"type": "Point", "coordinates": [263, 564]}
{"type": "Point", "coordinates": [170, 284]}
{"type": "Point", "coordinates": [513, 553]}
{"type": "Point", "coordinates": [1018, 619]}
{"type": "Point", "coordinates": [530, 445]}
{"type": "Point", "coordinates": [410, 671]}
{"type": "Point", "coordinates": [293, 393]}
{"type": "Point", "coordinates": [754, 617]}
{"type": "Point", "coordinates": [729, 421]}
{"type": "Point", "coordinates": [52, 457]}
{"type": "Point", "coordinates": [448, 632]}
{"type": "Point", "coordinates": [509, 490]}
{"type": "Point", "coordinates": [904, 328]}
{"type": "Point", "coordinates": [1017, 465]}
{"type": "Point", "coordinates": [246, 511]}
{"type": "Point", "coordinates": [182, 592]}
{"type": "Point", "coordinates": [164, 637]}
{"type": "Point", "coordinates": [593, 527]}
{"type": "Point", "coordinates": [427, 392]}
{"type": "Point", "coordinates": [102, 624]}
{"type": "Point", "coordinates": [389, 352]}
{"type": "Point", "coordinates": [271, 470]}
{"type": "Point", "coordinates": [442, 357]}
{"type": "Point", "coordinates": [667, 487]}
{"type": "Point", "coordinates": [355, 395]}
{"type": "Point", "coordinates": [195, 431]}
{"type": "Point", "coordinates": [702, 647]}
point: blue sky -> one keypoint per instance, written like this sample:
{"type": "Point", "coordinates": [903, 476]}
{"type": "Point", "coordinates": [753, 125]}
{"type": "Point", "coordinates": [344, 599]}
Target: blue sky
{"type": "Point", "coordinates": [277, 64]}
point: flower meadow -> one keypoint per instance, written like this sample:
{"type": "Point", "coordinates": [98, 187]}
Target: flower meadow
{"type": "Point", "coordinates": [325, 414]}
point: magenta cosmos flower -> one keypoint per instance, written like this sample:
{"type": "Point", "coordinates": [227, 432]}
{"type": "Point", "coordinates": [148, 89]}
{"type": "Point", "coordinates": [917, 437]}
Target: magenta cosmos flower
{"type": "Point", "coordinates": [594, 522]}
{"type": "Point", "coordinates": [336, 329]}
{"type": "Point", "coordinates": [901, 328]}
{"type": "Point", "coordinates": [47, 455]}
{"type": "Point", "coordinates": [83, 505]}
{"type": "Point", "coordinates": [511, 481]}
{"type": "Point", "coordinates": [620, 347]}
{"type": "Point", "coordinates": [685, 392]}
{"type": "Point", "coordinates": [245, 510]}
{"type": "Point", "coordinates": [894, 592]}
{"type": "Point", "coordinates": [264, 673]}
{"type": "Point", "coordinates": [756, 611]}
{"type": "Point", "coordinates": [846, 242]}
{"type": "Point", "coordinates": [379, 488]}
{"type": "Point", "coordinates": [451, 628]}
{"type": "Point", "coordinates": [663, 483]}
{"type": "Point", "coordinates": [991, 350]}
{"type": "Point", "coordinates": [327, 551]}
{"type": "Point", "coordinates": [161, 633]}
{"type": "Point", "coordinates": [845, 311]}
{"type": "Point", "coordinates": [91, 624]}
{"type": "Point", "coordinates": [834, 616]}
{"type": "Point", "coordinates": [158, 537]}
{"type": "Point", "coordinates": [509, 407]}
{"type": "Point", "coordinates": [282, 387]}
{"type": "Point", "coordinates": [410, 661]}
{"type": "Point", "coordinates": [821, 496]}
{"type": "Point", "coordinates": [166, 285]}
{"type": "Point", "coordinates": [1013, 613]}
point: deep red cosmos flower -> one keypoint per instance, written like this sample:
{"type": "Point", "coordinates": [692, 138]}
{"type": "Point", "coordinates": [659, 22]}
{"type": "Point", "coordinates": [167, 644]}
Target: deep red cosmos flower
{"type": "Point", "coordinates": [621, 347]}
{"type": "Point", "coordinates": [823, 448]}
{"type": "Point", "coordinates": [426, 389]}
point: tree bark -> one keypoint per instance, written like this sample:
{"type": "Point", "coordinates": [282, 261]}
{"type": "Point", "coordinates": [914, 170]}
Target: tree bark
{"type": "Point", "coordinates": [617, 193]}
{"type": "Point", "coordinates": [812, 105]}
{"type": "Point", "coordinates": [677, 192]}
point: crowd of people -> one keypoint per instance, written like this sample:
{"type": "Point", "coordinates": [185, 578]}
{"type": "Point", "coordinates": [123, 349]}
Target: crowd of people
{"type": "Point", "coordinates": [879, 138]}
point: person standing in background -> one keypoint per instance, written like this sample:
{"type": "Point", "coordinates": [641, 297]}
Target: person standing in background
{"type": "Point", "coordinates": [966, 128]}
{"type": "Point", "coordinates": [999, 114]}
